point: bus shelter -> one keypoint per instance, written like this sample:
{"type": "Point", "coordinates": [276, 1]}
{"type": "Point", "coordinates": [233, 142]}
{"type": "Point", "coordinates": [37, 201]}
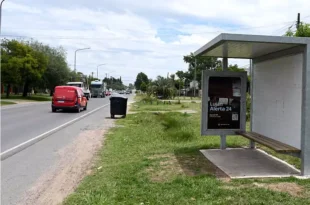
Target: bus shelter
{"type": "Point", "coordinates": [280, 92]}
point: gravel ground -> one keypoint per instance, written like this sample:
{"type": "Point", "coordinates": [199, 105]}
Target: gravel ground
{"type": "Point", "coordinates": [75, 162]}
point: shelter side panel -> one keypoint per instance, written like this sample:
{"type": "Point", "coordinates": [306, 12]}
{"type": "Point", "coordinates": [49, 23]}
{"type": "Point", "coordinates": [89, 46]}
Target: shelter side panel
{"type": "Point", "coordinates": [277, 99]}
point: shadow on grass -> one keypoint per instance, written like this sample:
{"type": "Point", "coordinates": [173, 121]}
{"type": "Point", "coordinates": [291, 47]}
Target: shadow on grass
{"type": "Point", "coordinates": [194, 163]}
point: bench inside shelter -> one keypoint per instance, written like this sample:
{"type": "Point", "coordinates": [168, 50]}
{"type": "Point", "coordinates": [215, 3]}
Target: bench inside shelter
{"type": "Point", "coordinates": [268, 142]}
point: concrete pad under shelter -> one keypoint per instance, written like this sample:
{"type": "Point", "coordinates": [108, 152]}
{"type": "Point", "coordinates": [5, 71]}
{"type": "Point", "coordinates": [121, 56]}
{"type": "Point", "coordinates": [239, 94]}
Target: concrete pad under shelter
{"type": "Point", "coordinates": [248, 163]}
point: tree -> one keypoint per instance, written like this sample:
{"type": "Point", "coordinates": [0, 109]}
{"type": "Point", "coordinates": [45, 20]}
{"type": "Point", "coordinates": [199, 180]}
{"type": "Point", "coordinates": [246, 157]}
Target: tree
{"type": "Point", "coordinates": [143, 87]}
{"type": "Point", "coordinates": [13, 56]}
{"type": "Point", "coordinates": [302, 31]}
{"type": "Point", "coordinates": [131, 86]}
{"type": "Point", "coordinates": [33, 68]}
{"type": "Point", "coordinates": [141, 78]}
{"type": "Point", "coordinates": [164, 87]}
{"type": "Point", "coordinates": [114, 83]}
{"type": "Point", "coordinates": [198, 63]}
{"type": "Point", "coordinates": [57, 70]}
{"type": "Point", "coordinates": [21, 64]}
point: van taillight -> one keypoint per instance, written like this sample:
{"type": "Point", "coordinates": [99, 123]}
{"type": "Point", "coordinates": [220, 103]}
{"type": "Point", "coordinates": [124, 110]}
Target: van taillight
{"type": "Point", "coordinates": [77, 98]}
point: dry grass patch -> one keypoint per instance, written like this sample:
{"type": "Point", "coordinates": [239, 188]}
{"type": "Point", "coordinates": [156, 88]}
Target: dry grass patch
{"type": "Point", "coordinates": [165, 167]}
{"type": "Point", "coordinates": [287, 187]}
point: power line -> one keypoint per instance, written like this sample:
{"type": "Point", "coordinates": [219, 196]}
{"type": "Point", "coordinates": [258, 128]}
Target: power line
{"type": "Point", "coordinates": [287, 26]}
{"type": "Point", "coordinates": [306, 17]}
{"type": "Point", "coordinates": [127, 29]}
{"type": "Point", "coordinates": [124, 38]}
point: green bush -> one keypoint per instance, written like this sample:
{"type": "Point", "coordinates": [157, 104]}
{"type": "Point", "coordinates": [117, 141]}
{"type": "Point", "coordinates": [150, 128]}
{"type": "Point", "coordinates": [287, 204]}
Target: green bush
{"type": "Point", "coordinates": [169, 122]}
{"type": "Point", "coordinates": [175, 127]}
{"type": "Point", "coordinates": [184, 106]}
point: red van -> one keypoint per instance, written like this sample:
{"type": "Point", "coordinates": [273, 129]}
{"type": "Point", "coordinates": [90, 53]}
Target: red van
{"type": "Point", "coordinates": [68, 98]}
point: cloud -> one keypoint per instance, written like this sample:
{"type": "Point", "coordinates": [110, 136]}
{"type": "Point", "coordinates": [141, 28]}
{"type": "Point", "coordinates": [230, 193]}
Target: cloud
{"type": "Point", "coordinates": [134, 36]}
{"type": "Point", "coordinates": [11, 6]}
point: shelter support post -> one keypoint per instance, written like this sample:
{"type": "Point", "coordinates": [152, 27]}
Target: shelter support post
{"type": "Point", "coordinates": [223, 136]}
{"type": "Point", "coordinates": [252, 143]}
{"type": "Point", "coordinates": [223, 142]}
{"type": "Point", "coordinates": [305, 132]}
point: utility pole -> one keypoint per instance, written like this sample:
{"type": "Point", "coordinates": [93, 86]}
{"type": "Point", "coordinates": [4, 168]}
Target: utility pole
{"type": "Point", "coordinates": [298, 21]}
{"type": "Point", "coordinates": [111, 82]}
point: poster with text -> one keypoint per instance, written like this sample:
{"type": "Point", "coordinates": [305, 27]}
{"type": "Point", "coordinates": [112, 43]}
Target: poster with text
{"type": "Point", "coordinates": [224, 103]}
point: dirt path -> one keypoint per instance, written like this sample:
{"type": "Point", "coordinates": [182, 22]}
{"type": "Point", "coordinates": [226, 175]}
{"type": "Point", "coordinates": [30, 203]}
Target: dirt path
{"type": "Point", "coordinates": [75, 162]}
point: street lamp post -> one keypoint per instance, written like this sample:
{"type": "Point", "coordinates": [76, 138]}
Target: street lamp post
{"type": "Point", "coordinates": [97, 69]}
{"type": "Point", "coordinates": [0, 30]}
{"type": "Point", "coordinates": [75, 56]}
{"type": "Point", "coordinates": [1, 13]}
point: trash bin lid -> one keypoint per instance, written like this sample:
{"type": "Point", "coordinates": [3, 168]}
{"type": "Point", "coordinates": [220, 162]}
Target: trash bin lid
{"type": "Point", "coordinates": [116, 95]}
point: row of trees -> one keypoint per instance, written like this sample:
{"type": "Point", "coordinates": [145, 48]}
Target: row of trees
{"type": "Point", "coordinates": [170, 86]}
{"type": "Point", "coordinates": [114, 83]}
{"type": "Point", "coordinates": [31, 64]}
{"type": "Point", "coordinates": [28, 65]}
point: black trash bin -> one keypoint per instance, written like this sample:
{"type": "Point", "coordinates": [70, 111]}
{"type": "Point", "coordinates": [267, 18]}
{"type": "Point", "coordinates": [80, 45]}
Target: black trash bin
{"type": "Point", "coordinates": [118, 105]}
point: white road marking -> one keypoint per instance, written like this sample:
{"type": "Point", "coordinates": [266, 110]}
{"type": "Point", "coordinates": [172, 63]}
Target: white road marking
{"type": "Point", "coordinates": [9, 152]}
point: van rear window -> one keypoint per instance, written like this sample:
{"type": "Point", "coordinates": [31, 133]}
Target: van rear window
{"type": "Point", "coordinates": [65, 92]}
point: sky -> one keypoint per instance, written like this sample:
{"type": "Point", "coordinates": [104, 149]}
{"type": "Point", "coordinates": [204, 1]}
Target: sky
{"type": "Point", "coordinates": [132, 36]}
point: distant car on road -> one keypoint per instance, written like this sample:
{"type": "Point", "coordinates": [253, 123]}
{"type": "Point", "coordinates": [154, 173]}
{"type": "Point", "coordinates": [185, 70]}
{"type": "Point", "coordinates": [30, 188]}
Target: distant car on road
{"type": "Point", "coordinates": [69, 98]}
{"type": "Point", "coordinates": [107, 93]}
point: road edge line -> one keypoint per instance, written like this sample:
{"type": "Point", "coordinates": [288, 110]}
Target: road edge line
{"type": "Point", "coordinates": [16, 149]}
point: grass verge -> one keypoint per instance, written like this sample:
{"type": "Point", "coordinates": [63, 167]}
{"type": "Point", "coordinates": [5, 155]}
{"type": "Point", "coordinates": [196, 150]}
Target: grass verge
{"type": "Point", "coordinates": [155, 159]}
{"type": "Point", "coordinates": [32, 98]}
{"type": "Point", "coordinates": [2, 103]}
{"type": "Point", "coordinates": [164, 106]}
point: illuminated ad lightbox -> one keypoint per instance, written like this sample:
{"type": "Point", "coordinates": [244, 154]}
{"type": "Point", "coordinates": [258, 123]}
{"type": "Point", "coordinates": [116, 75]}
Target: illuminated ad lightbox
{"type": "Point", "coordinates": [223, 102]}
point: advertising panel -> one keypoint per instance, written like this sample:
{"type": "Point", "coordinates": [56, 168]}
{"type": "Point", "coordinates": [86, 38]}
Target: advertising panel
{"type": "Point", "coordinates": [223, 102]}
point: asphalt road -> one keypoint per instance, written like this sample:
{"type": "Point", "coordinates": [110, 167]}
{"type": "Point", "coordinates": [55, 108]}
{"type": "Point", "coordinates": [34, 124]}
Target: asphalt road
{"type": "Point", "coordinates": [20, 171]}
{"type": "Point", "coordinates": [21, 123]}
